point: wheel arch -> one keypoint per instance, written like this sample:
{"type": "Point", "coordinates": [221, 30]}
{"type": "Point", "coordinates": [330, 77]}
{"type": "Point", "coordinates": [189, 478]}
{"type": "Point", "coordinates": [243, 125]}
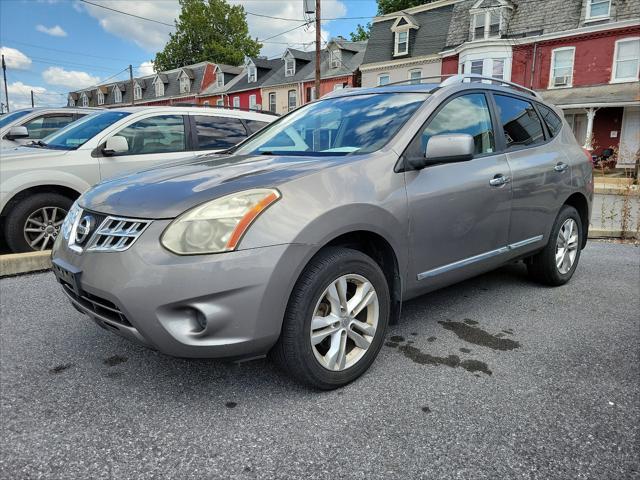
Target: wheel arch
{"type": "Point", "coordinates": [59, 189]}
{"type": "Point", "coordinates": [578, 201]}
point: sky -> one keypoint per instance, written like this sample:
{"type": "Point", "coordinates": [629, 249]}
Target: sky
{"type": "Point", "coordinates": [54, 46]}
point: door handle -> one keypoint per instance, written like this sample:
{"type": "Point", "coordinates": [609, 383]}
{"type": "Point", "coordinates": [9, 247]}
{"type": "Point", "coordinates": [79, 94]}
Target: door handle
{"type": "Point", "coordinates": [561, 167]}
{"type": "Point", "coordinates": [499, 180]}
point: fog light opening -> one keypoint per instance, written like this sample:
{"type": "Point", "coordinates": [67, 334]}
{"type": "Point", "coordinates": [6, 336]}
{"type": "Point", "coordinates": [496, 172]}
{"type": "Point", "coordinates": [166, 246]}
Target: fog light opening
{"type": "Point", "coordinates": [201, 320]}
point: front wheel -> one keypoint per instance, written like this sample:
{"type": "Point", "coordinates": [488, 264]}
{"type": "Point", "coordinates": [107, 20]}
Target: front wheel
{"type": "Point", "coordinates": [336, 319]}
{"type": "Point", "coordinates": [557, 262]}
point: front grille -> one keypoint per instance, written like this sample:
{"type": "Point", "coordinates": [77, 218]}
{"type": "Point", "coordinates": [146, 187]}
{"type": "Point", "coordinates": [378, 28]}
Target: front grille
{"type": "Point", "coordinates": [99, 305]}
{"type": "Point", "coordinates": [116, 234]}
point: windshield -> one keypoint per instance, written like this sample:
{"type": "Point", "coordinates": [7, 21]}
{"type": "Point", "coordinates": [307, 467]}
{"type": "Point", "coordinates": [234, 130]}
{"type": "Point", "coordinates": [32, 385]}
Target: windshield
{"type": "Point", "coordinates": [79, 132]}
{"type": "Point", "coordinates": [336, 126]}
{"type": "Point", "coordinates": [7, 118]}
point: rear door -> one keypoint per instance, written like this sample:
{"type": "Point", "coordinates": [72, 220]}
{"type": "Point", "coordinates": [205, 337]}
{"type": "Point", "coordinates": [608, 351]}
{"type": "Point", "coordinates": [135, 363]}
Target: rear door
{"type": "Point", "coordinates": [541, 174]}
{"type": "Point", "coordinates": [459, 221]}
{"type": "Point", "coordinates": [214, 132]}
{"type": "Point", "coordinates": [152, 140]}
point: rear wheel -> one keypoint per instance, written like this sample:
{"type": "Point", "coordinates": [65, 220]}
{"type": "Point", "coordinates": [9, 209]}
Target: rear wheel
{"type": "Point", "coordinates": [34, 223]}
{"type": "Point", "coordinates": [557, 262]}
{"type": "Point", "coordinates": [335, 320]}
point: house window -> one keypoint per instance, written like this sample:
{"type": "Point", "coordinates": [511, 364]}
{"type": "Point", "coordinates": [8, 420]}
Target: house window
{"type": "Point", "coordinates": [498, 68]}
{"type": "Point", "coordinates": [185, 84]}
{"type": "Point", "coordinates": [159, 88]}
{"type": "Point", "coordinates": [310, 94]}
{"type": "Point", "coordinates": [402, 43]}
{"type": "Point", "coordinates": [626, 60]}
{"type": "Point", "coordinates": [339, 86]}
{"type": "Point", "coordinates": [207, 103]}
{"type": "Point", "coordinates": [219, 78]}
{"type": "Point", "coordinates": [289, 67]}
{"type": "Point", "coordinates": [272, 102]}
{"type": "Point", "coordinates": [414, 76]}
{"type": "Point", "coordinates": [253, 105]}
{"type": "Point", "coordinates": [562, 67]}
{"type": "Point", "coordinates": [71, 102]}
{"type": "Point", "coordinates": [383, 79]}
{"type": "Point", "coordinates": [137, 92]}
{"type": "Point", "coordinates": [236, 102]}
{"type": "Point", "coordinates": [117, 95]}
{"type": "Point", "coordinates": [598, 9]}
{"type": "Point", "coordinates": [476, 67]}
{"type": "Point", "coordinates": [291, 98]}
{"type": "Point", "coordinates": [252, 73]}
{"type": "Point", "coordinates": [335, 58]}
{"type": "Point", "coordinates": [100, 98]}
{"type": "Point", "coordinates": [486, 24]}
{"type": "Point", "coordinates": [84, 100]}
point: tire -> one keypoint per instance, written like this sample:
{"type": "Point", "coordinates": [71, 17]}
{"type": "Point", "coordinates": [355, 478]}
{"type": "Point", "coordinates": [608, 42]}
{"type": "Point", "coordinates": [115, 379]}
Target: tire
{"type": "Point", "coordinates": [16, 220]}
{"type": "Point", "coordinates": [542, 267]}
{"type": "Point", "coordinates": [294, 351]}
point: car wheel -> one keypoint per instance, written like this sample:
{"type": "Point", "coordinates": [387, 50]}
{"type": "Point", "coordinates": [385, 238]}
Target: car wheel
{"type": "Point", "coordinates": [335, 320]}
{"type": "Point", "coordinates": [555, 264]}
{"type": "Point", "coordinates": [34, 222]}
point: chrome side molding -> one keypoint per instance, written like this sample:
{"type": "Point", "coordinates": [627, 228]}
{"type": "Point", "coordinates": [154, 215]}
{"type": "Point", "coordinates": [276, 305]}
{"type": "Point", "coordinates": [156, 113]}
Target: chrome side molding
{"type": "Point", "coordinates": [478, 258]}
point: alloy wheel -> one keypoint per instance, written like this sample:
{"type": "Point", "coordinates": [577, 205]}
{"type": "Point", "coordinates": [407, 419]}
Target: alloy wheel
{"type": "Point", "coordinates": [567, 246]}
{"type": "Point", "coordinates": [42, 227]}
{"type": "Point", "coordinates": [344, 322]}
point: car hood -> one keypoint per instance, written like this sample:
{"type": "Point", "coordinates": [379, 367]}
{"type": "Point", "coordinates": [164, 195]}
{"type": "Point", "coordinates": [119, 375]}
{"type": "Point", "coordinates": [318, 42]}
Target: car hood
{"type": "Point", "coordinates": [169, 190]}
{"type": "Point", "coordinates": [21, 153]}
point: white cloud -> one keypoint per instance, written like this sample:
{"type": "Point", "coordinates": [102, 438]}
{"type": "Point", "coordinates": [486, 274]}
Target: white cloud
{"type": "Point", "coordinates": [15, 58]}
{"type": "Point", "coordinates": [152, 36]}
{"type": "Point", "coordinates": [20, 96]}
{"type": "Point", "coordinates": [55, 31]}
{"type": "Point", "coordinates": [145, 68]}
{"type": "Point", "coordinates": [71, 79]}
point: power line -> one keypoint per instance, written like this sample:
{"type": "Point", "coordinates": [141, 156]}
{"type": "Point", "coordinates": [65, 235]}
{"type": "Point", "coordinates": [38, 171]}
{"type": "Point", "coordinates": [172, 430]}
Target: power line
{"type": "Point", "coordinates": [286, 31]}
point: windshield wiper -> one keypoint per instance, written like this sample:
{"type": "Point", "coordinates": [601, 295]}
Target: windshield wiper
{"type": "Point", "coordinates": [39, 143]}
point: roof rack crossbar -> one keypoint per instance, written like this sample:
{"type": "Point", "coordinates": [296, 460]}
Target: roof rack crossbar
{"type": "Point", "coordinates": [456, 79]}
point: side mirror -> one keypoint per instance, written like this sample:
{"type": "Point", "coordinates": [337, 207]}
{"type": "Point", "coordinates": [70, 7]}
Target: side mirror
{"type": "Point", "coordinates": [17, 132]}
{"type": "Point", "coordinates": [114, 145]}
{"type": "Point", "coordinates": [446, 148]}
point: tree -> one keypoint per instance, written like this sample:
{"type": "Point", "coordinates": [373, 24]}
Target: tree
{"type": "Point", "coordinates": [361, 33]}
{"type": "Point", "coordinates": [388, 6]}
{"type": "Point", "coordinates": [208, 30]}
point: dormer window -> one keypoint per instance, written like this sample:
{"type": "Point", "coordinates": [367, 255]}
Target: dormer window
{"type": "Point", "coordinates": [219, 78]}
{"type": "Point", "coordinates": [401, 29]}
{"type": "Point", "coordinates": [117, 94]}
{"type": "Point", "coordinates": [100, 97]}
{"type": "Point", "coordinates": [185, 83]}
{"type": "Point", "coordinates": [252, 73]}
{"type": "Point", "coordinates": [71, 102]}
{"type": "Point", "coordinates": [84, 100]}
{"type": "Point", "coordinates": [402, 43]}
{"type": "Point", "coordinates": [335, 58]}
{"type": "Point", "coordinates": [159, 87]}
{"type": "Point", "coordinates": [289, 67]}
{"type": "Point", "coordinates": [137, 92]}
{"type": "Point", "coordinates": [598, 9]}
{"type": "Point", "coordinates": [486, 24]}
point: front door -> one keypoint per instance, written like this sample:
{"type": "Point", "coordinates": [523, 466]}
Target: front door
{"type": "Point", "coordinates": [459, 217]}
{"type": "Point", "coordinates": [151, 140]}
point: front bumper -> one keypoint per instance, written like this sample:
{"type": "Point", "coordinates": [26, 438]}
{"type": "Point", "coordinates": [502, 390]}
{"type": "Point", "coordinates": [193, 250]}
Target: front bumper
{"type": "Point", "coordinates": [206, 306]}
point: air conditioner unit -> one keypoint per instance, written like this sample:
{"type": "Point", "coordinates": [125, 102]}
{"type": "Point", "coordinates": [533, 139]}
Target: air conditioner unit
{"type": "Point", "coordinates": [561, 81]}
{"type": "Point", "coordinates": [257, 106]}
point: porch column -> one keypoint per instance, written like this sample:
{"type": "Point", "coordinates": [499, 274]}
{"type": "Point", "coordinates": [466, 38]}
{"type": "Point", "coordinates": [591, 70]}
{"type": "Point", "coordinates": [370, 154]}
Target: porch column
{"type": "Point", "coordinates": [591, 115]}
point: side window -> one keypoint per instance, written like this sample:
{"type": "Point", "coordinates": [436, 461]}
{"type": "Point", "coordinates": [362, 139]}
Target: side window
{"type": "Point", "coordinates": [520, 122]}
{"type": "Point", "coordinates": [218, 132]}
{"type": "Point", "coordinates": [553, 122]}
{"type": "Point", "coordinates": [255, 125]}
{"type": "Point", "coordinates": [161, 134]}
{"type": "Point", "coordinates": [45, 125]}
{"type": "Point", "coordinates": [464, 114]}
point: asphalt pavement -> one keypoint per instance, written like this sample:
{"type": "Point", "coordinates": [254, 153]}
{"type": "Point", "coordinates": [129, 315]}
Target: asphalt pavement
{"type": "Point", "coordinates": [494, 378]}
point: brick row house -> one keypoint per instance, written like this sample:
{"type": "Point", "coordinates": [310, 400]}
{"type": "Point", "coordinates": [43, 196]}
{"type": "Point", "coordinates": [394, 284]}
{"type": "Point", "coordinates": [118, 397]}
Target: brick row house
{"type": "Point", "coordinates": [581, 55]}
{"type": "Point", "coordinates": [181, 85]}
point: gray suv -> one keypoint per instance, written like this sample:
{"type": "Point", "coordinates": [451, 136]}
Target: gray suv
{"type": "Point", "coordinates": [304, 240]}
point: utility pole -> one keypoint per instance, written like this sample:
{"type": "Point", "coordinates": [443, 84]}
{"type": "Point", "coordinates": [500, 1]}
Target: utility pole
{"type": "Point", "coordinates": [32, 102]}
{"type": "Point", "coordinates": [317, 49]}
{"type": "Point", "coordinates": [131, 84]}
{"type": "Point", "coordinates": [6, 91]}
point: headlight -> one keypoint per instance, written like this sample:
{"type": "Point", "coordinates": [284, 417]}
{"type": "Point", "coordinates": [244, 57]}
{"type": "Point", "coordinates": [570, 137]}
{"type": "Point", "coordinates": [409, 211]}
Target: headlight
{"type": "Point", "coordinates": [217, 226]}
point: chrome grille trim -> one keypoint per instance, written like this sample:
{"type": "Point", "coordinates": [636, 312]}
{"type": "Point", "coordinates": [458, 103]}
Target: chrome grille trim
{"type": "Point", "coordinates": [117, 234]}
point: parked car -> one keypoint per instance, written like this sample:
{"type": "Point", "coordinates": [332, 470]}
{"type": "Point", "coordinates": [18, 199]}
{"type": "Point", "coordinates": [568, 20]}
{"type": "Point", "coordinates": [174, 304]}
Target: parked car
{"type": "Point", "coordinates": [304, 239]}
{"type": "Point", "coordinates": [40, 181]}
{"type": "Point", "coordinates": [31, 124]}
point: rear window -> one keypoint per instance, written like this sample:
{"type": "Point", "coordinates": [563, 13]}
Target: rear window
{"type": "Point", "coordinates": [217, 133]}
{"type": "Point", "coordinates": [553, 121]}
{"type": "Point", "coordinates": [520, 122]}
{"type": "Point", "coordinates": [255, 125]}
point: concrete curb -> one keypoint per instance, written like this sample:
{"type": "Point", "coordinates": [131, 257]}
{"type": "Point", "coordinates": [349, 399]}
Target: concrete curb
{"type": "Point", "coordinates": [17, 263]}
{"type": "Point", "coordinates": [603, 189]}
{"type": "Point", "coordinates": [606, 233]}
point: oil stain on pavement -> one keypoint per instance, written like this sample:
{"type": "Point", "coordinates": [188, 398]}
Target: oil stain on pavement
{"type": "Point", "coordinates": [60, 368]}
{"type": "Point", "coordinates": [115, 360]}
{"type": "Point", "coordinates": [468, 332]}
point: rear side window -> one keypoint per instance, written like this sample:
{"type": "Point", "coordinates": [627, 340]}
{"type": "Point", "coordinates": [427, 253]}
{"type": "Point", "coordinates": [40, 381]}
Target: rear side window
{"type": "Point", "coordinates": [255, 125]}
{"type": "Point", "coordinates": [161, 134]}
{"type": "Point", "coordinates": [520, 123]}
{"type": "Point", "coordinates": [464, 114]}
{"type": "Point", "coordinates": [45, 125]}
{"type": "Point", "coordinates": [553, 121]}
{"type": "Point", "coordinates": [216, 133]}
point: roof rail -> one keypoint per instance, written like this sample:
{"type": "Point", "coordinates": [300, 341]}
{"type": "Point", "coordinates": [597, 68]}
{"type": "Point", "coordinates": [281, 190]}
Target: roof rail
{"type": "Point", "coordinates": [409, 80]}
{"type": "Point", "coordinates": [223, 107]}
{"type": "Point", "coordinates": [457, 79]}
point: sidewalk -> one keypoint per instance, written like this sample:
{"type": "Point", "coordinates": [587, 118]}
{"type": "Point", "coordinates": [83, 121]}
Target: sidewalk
{"type": "Point", "coordinates": [616, 209]}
